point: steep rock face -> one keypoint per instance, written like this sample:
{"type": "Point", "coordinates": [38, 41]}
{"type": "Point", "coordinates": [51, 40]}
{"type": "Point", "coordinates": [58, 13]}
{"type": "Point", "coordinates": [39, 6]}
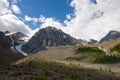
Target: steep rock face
{"type": "Point", "coordinates": [5, 39]}
{"type": "Point", "coordinates": [49, 36]}
{"type": "Point", "coordinates": [112, 35]}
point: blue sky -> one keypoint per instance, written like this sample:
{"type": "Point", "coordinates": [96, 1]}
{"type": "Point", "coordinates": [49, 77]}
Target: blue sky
{"type": "Point", "coordinates": [82, 19]}
{"type": "Point", "coordinates": [48, 8]}
{"type": "Point", "coordinates": [57, 9]}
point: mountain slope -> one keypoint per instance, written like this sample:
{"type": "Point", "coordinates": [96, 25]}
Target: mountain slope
{"type": "Point", "coordinates": [116, 49]}
{"type": "Point", "coordinates": [49, 36]}
{"type": "Point", "coordinates": [112, 35]}
{"type": "Point", "coordinates": [17, 37]}
{"type": "Point", "coordinates": [6, 54]}
{"type": "Point", "coordinates": [110, 44]}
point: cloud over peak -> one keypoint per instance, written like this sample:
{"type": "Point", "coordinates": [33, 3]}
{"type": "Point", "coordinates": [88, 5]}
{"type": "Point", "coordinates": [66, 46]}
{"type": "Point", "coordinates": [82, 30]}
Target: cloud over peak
{"type": "Point", "coordinates": [89, 20]}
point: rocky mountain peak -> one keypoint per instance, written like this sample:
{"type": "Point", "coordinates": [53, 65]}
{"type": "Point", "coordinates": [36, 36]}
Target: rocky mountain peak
{"type": "Point", "coordinates": [48, 36]}
{"type": "Point", "coordinates": [112, 35]}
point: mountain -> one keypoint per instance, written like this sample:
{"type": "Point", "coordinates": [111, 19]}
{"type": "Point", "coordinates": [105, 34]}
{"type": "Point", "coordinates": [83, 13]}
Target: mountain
{"type": "Point", "coordinates": [110, 44]}
{"type": "Point", "coordinates": [81, 42]}
{"type": "Point", "coordinates": [49, 36]}
{"type": "Point", "coordinates": [6, 54]}
{"type": "Point", "coordinates": [112, 35]}
{"type": "Point", "coordinates": [17, 37]}
{"type": "Point", "coordinates": [92, 41]}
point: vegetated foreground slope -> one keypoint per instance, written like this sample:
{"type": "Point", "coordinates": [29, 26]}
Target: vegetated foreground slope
{"type": "Point", "coordinates": [68, 55]}
{"type": "Point", "coordinates": [41, 69]}
{"type": "Point", "coordinates": [116, 49]}
{"type": "Point", "coordinates": [94, 55]}
{"type": "Point", "coordinates": [51, 65]}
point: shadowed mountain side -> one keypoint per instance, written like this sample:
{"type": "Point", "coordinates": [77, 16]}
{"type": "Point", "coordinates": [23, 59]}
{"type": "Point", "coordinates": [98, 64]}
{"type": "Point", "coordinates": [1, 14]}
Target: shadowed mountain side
{"type": "Point", "coordinates": [6, 54]}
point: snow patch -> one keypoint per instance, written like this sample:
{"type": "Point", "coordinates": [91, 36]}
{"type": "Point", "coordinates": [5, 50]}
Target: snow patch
{"type": "Point", "coordinates": [18, 48]}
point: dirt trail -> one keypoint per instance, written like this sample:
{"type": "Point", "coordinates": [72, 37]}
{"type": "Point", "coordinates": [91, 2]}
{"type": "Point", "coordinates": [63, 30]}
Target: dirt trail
{"type": "Point", "coordinates": [111, 67]}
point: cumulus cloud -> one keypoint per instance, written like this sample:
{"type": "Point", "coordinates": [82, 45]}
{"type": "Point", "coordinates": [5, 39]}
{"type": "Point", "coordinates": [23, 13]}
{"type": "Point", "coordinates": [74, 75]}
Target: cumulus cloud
{"type": "Point", "coordinates": [16, 9]}
{"type": "Point", "coordinates": [89, 19]}
{"type": "Point", "coordinates": [30, 19]}
{"type": "Point", "coordinates": [8, 21]}
{"type": "Point", "coordinates": [12, 23]}
{"type": "Point", "coordinates": [52, 22]}
{"type": "Point", "coordinates": [4, 4]}
{"type": "Point", "coordinates": [106, 17]}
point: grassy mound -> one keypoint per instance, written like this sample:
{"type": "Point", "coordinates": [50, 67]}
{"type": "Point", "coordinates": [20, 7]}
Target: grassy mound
{"type": "Point", "coordinates": [116, 49]}
{"type": "Point", "coordinates": [95, 55]}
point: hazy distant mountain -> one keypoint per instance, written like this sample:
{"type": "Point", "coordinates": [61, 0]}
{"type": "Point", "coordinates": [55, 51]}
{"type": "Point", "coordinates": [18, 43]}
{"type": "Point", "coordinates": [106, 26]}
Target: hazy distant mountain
{"type": "Point", "coordinates": [6, 54]}
{"type": "Point", "coordinates": [92, 41]}
{"type": "Point", "coordinates": [81, 42]}
{"type": "Point", "coordinates": [49, 36]}
{"type": "Point", "coordinates": [112, 35]}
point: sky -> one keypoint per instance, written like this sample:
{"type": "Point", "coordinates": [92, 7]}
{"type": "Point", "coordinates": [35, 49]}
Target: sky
{"type": "Point", "coordinates": [82, 19]}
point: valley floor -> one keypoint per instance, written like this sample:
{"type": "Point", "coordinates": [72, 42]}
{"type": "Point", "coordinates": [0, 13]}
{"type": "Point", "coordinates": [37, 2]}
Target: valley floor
{"type": "Point", "coordinates": [52, 64]}
{"type": "Point", "coordinates": [59, 54]}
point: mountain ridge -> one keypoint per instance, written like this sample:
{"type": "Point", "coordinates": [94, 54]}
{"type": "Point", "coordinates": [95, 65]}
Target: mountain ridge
{"type": "Point", "coordinates": [111, 35]}
{"type": "Point", "coordinates": [48, 36]}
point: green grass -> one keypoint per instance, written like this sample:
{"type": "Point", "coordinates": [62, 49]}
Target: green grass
{"type": "Point", "coordinates": [56, 71]}
{"type": "Point", "coordinates": [116, 48]}
{"type": "Point", "coordinates": [94, 55]}
{"type": "Point", "coordinates": [84, 49]}
{"type": "Point", "coordinates": [41, 77]}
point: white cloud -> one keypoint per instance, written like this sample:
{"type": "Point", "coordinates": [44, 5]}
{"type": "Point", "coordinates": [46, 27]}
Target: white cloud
{"type": "Point", "coordinates": [4, 4]}
{"type": "Point", "coordinates": [68, 16]}
{"type": "Point", "coordinates": [52, 22]}
{"type": "Point", "coordinates": [27, 18]}
{"type": "Point", "coordinates": [16, 9]}
{"type": "Point", "coordinates": [83, 26]}
{"type": "Point", "coordinates": [90, 20]}
{"type": "Point", "coordinates": [12, 23]}
{"type": "Point", "coordinates": [9, 21]}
